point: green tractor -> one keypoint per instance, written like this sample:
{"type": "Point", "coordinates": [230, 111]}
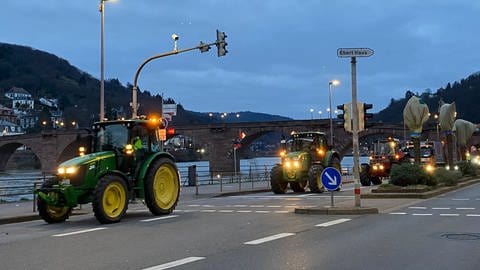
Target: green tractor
{"type": "Point", "coordinates": [126, 161]}
{"type": "Point", "coordinates": [303, 159]}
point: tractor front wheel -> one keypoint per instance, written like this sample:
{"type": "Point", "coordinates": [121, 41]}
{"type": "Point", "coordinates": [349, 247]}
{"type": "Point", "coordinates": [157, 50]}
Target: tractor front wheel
{"type": "Point", "coordinates": [51, 213]}
{"type": "Point", "coordinates": [365, 174]}
{"type": "Point", "coordinates": [162, 187]}
{"type": "Point", "coordinates": [110, 200]}
{"type": "Point", "coordinates": [279, 186]}
{"type": "Point", "coordinates": [298, 186]}
{"type": "Point", "coordinates": [314, 179]}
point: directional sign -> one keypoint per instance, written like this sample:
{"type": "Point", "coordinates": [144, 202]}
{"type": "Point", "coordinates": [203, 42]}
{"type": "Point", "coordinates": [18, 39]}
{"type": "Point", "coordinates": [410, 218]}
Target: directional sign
{"type": "Point", "coordinates": [354, 52]}
{"type": "Point", "coordinates": [331, 178]}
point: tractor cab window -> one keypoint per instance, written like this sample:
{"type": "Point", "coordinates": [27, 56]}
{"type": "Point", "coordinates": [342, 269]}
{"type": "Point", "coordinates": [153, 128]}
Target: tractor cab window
{"type": "Point", "coordinates": [385, 148]}
{"type": "Point", "coordinates": [301, 144]}
{"type": "Point", "coordinates": [139, 137]}
{"type": "Point", "coordinates": [111, 137]}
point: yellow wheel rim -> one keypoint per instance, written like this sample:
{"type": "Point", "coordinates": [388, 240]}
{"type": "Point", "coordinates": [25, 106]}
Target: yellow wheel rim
{"type": "Point", "coordinates": [114, 199]}
{"type": "Point", "coordinates": [165, 186]}
{"type": "Point", "coordinates": [57, 212]}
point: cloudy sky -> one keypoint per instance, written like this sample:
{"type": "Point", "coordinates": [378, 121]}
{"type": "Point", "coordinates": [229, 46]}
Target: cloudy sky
{"type": "Point", "coordinates": [282, 53]}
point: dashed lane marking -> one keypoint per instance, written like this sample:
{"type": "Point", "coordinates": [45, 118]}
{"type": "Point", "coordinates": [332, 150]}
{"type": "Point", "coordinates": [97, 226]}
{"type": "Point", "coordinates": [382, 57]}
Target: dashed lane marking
{"type": "Point", "coordinates": [268, 238]}
{"type": "Point", "coordinates": [79, 232]}
{"type": "Point", "coordinates": [333, 222]}
{"type": "Point", "coordinates": [417, 207]}
{"type": "Point", "coordinates": [397, 213]}
{"type": "Point", "coordinates": [465, 208]}
{"type": "Point", "coordinates": [158, 218]}
{"type": "Point", "coordinates": [441, 208]}
{"type": "Point", "coordinates": [422, 214]}
{"type": "Point", "coordinates": [461, 199]}
{"type": "Point", "coordinates": [175, 263]}
{"type": "Point", "coordinates": [473, 215]}
{"type": "Point", "coordinates": [449, 215]}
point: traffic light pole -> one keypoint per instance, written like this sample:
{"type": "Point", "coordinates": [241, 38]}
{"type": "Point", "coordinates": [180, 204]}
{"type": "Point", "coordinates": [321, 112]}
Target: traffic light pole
{"type": "Point", "coordinates": [356, 154]}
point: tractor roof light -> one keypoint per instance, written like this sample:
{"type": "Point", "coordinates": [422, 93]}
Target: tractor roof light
{"type": "Point", "coordinates": [129, 149]}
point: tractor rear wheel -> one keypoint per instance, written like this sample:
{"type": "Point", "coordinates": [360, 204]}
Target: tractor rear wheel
{"type": "Point", "coordinates": [162, 187]}
{"type": "Point", "coordinates": [298, 186]}
{"type": "Point", "coordinates": [314, 180]}
{"type": "Point", "coordinates": [279, 186]}
{"type": "Point", "coordinates": [51, 213]}
{"type": "Point", "coordinates": [110, 199]}
{"type": "Point", "coordinates": [364, 174]}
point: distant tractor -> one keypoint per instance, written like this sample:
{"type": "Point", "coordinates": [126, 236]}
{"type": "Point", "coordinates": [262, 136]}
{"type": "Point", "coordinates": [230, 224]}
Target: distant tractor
{"type": "Point", "coordinates": [125, 162]}
{"type": "Point", "coordinates": [431, 154]}
{"type": "Point", "coordinates": [383, 154]}
{"type": "Point", "coordinates": [303, 159]}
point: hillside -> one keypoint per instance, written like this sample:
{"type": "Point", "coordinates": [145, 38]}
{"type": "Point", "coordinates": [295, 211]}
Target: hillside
{"type": "Point", "coordinates": [45, 75]}
{"type": "Point", "coordinates": [465, 93]}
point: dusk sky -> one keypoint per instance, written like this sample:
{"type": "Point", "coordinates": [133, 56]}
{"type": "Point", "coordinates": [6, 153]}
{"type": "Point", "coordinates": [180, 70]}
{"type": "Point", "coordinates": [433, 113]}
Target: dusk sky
{"type": "Point", "coordinates": [282, 53]}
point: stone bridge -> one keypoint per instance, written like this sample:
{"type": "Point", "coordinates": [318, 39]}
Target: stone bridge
{"type": "Point", "coordinates": [51, 147]}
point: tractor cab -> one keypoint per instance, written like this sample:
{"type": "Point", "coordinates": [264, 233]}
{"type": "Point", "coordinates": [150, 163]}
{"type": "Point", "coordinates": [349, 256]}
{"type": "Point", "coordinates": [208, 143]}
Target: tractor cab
{"type": "Point", "coordinates": [130, 140]}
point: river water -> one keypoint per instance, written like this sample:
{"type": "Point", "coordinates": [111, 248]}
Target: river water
{"type": "Point", "coordinates": [16, 185]}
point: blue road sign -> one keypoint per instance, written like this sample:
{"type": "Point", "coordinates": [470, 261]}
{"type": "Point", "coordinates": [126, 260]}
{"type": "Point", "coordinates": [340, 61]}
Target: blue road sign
{"type": "Point", "coordinates": [331, 178]}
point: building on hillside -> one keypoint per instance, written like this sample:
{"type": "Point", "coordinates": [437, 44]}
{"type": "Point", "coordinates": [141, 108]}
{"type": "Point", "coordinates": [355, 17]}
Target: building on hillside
{"type": "Point", "coordinates": [49, 102]}
{"type": "Point", "coordinates": [21, 99]}
{"type": "Point", "coordinates": [9, 128]}
{"type": "Point", "coordinates": [28, 120]}
{"type": "Point", "coordinates": [7, 114]}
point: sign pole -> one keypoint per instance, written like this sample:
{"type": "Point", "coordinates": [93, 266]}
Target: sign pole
{"type": "Point", "coordinates": [353, 53]}
{"type": "Point", "coordinates": [331, 199]}
{"type": "Point", "coordinates": [356, 154]}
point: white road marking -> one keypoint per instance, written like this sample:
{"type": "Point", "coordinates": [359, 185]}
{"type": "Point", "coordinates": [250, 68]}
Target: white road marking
{"type": "Point", "coordinates": [281, 212]}
{"type": "Point", "coordinates": [244, 211]}
{"type": "Point", "coordinates": [240, 205]}
{"type": "Point", "coordinates": [274, 206]}
{"type": "Point", "coordinates": [398, 213]}
{"type": "Point", "coordinates": [441, 208]}
{"type": "Point", "coordinates": [175, 263]}
{"type": "Point", "coordinates": [473, 215]}
{"type": "Point", "coordinates": [417, 207]}
{"type": "Point", "coordinates": [257, 205]}
{"type": "Point", "coordinates": [158, 218]}
{"type": "Point", "coordinates": [465, 208]}
{"type": "Point", "coordinates": [225, 211]}
{"type": "Point", "coordinates": [208, 211]}
{"type": "Point", "coordinates": [449, 215]}
{"type": "Point", "coordinates": [207, 205]}
{"type": "Point", "coordinates": [461, 199]}
{"type": "Point", "coordinates": [79, 232]}
{"type": "Point", "coordinates": [333, 222]}
{"type": "Point", "coordinates": [260, 211]}
{"type": "Point", "coordinates": [268, 238]}
{"type": "Point", "coordinates": [194, 205]}
{"type": "Point", "coordinates": [422, 214]}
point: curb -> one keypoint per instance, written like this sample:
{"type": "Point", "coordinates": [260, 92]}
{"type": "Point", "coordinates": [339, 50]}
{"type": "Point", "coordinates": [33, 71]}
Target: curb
{"type": "Point", "coordinates": [233, 193]}
{"type": "Point", "coordinates": [423, 195]}
{"type": "Point", "coordinates": [32, 217]}
{"type": "Point", "coordinates": [337, 211]}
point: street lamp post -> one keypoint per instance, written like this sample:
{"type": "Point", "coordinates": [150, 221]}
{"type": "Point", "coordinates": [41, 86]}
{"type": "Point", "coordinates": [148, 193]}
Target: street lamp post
{"type": "Point", "coordinates": [330, 83]}
{"type": "Point", "coordinates": [101, 8]}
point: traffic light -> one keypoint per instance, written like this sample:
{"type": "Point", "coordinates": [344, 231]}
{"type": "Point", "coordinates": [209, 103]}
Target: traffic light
{"type": "Point", "coordinates": [346, 116]}
{"type": "Point", "coordinates": [364, 115]}
{"type": "Point", "coordinates": [221, 44]}
{"type": "Point", "coordinates": [170, 132]}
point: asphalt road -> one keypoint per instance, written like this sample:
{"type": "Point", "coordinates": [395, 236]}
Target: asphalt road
{"type": "Point", "coordinates": [257, 231]}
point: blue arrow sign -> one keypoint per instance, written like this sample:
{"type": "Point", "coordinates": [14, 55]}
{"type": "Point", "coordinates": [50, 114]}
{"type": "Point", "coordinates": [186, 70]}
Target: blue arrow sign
{"type": "Point", "coordinates": [331, 178]}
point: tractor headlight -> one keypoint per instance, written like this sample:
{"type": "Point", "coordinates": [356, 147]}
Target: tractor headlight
{"type": "Point", "coordinates": [288, 164]}
{"type": "Point", "coordinates": [429, 168]}
{"type": "Point", "coordinates": [296, 164]}
{"type": "Point", "coordinates": [67, 170]}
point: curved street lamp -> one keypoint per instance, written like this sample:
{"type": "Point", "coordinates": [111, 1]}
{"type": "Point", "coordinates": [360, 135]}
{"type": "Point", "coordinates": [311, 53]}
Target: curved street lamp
{"type": "Point", "coordinates": [101, 8]}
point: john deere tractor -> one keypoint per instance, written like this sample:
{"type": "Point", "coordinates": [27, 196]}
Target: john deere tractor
{"type": "Point", "coordinates": [303, 159]}
{"type": "Point", "coordinates": [124, 162]}
{"type": "Point", "coordinates": [384, 154]}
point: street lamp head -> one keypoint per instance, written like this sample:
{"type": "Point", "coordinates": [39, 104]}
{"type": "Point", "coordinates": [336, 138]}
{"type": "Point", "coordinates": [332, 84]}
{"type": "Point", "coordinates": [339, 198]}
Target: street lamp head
{"type": "Point", "coordinates": [334, 82]}
{"type": "Point", "coordinates": [175, 37]}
